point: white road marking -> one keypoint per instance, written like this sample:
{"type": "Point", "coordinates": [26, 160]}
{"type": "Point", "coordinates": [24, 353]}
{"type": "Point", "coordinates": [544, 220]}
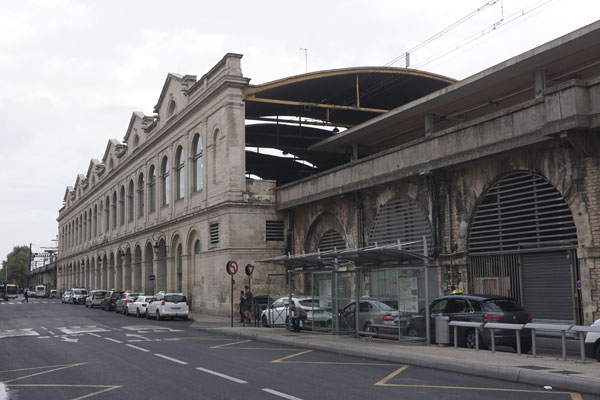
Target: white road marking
{"type": "Point", "coordinates": [18, 332]}
{"type": "Point", "coordinates": [66, 339]}
{"type": "Point", "coordinates": [231, 378]}
{"type": "Point", "coordinates": [171, 359]}
{"type": "Point", "coordinates": [138, 348]}
{"type": "Point", "coordinates": [94, 334]}
{"type": "Point", "coordinates": [78, 329]}
{"type": "Point", "coordinates": [134, 340]}
{"type": "Point", "coordinates": [139, 336]}
{"type": "Point", "coordinates": [113, 340]}
{"type": "Point", "coordinates": [150, 329]}
{"type": "Point", "coordinates": [276, 393]}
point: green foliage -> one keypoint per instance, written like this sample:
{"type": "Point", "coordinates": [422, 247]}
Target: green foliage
{"type": "Point", "coordinates": [17, 265]}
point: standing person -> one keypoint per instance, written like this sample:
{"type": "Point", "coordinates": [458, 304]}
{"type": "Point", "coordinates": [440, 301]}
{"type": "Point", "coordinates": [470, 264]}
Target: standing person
{"type": "Point", "coordinates": [248, 297]}
{"type": "Point", "coordinates": [26, 296]}
{"type": "Point", "coordinates": [242, 307]}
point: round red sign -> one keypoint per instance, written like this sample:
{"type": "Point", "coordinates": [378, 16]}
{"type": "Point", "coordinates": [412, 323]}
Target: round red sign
{"type": "Point", "coordinates": [232, 267]}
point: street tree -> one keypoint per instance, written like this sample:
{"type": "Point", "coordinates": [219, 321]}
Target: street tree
{"type": "Point", "coordinates": [15, 268]}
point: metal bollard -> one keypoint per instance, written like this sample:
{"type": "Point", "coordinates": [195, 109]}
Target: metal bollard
{"type": "Point", "coordinates": [533, 349]}
{"type": "Point", "coordinates": [518, 343]}
{"type": "Point", "coordinates": [564, 345]}
{"type": "Point", "coordinates": [493, 341]}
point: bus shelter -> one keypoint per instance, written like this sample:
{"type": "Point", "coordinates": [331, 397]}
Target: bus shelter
{"type": "Point", "coordinates": [379, 291]}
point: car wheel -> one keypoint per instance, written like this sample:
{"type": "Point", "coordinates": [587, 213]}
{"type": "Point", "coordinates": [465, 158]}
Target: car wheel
{"type": "Point", "coordinates": [265, 322]}
{"type": "Point", "coordinates": [147, 315]}
{"type": "Point", "coordinates": [137, 313]}
{"type": "Point", "coordinates": [412, 332]}
{"type": "Point", "coordinates": [185, 317]}
{"type": "Point", "coordinates": [598, 351]}
{"type": "Point", "coordinates": [86, 306]}
{"type": "Point", "coordinates": [157, 315]}
{"type": "Point", "coordinates": [126, 312]}
{"type": "Point", "coordinates": [470, 340]}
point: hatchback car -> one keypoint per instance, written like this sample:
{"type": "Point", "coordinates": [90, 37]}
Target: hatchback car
{"type": "Point", "coordinates": [53, 294]}
{"type": "Point", "coordinates": [127, 297]}
{"type": "Point", "coordinates": [78, 296]}
{"type": "Point", "coordinates": [110, 299]}
{"type": "Point", "coordinates": [138, 307]}
{"type": "Point", "coordinates": [95, 298]}
{"type": "Point", "coordinates": [592, 343]}
{"type": "Point", "coordinates": [168, 305]}
{"type": "Point", "coordinates": [373, 316]}
{"type": "Point", "coordinates": [66, 296]}
{"type": "Point", "coordinates": [278, 312]}
{"type": "Point", "coordinates": [477, 308]}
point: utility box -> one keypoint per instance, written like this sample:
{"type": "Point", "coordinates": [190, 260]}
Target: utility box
{"type": "Point", "coordinates": [442, 330]}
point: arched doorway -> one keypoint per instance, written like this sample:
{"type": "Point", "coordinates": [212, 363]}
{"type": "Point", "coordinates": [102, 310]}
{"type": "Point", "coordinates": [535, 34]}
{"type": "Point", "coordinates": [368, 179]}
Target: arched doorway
{"type": "Point", "coordinates": [522, 243]}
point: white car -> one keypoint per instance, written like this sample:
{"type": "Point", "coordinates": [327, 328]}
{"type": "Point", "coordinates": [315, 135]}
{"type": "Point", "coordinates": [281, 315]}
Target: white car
{"type": "Point", "coordinates": [278, 312]}
{"type": "Point", "coordinates": [168, 305]}
{"type": "Point", "coordinates": [592, 343]}
{"type": "Point", "coordinates": [139, 306]}
{"type": "Point", "coordinates": [66, 296]}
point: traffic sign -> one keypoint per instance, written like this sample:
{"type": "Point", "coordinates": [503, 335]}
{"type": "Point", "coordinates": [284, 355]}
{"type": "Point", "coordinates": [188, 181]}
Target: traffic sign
{"type": "Point", "coordinates": [152, 277]}
{"type": "Point", "coordinates": [249, 269]}
{"type": "Point", "coordinates": [232, 267]}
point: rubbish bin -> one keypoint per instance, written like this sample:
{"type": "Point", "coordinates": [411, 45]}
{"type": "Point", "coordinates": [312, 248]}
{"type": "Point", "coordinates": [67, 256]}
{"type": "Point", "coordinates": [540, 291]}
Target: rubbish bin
{"type": "Point", "coordinates": [442, 330]}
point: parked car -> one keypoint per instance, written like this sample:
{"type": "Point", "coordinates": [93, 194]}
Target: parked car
{"type": "Point", "coordinates": [138, 307]}
{"type": "Point", "coordinates": [278, 312]}
{"type": "Point", "coordinates": [110, 300]}
{"type": "Point", "coordinates": [592, 343]}
{"type": "Point", "coordinates": [65, 297]}
{"type": "Point", "coordinates": [53, 294]}
{"type": "Point", "coordinates": [78, 296]}
{"type": "Point", "coordinates": [95, 298]}
{"type": "Point", "coordinates": [477, 308]}
{"type": "Point", "coordinates": [126, 297]}
{"type": "Point", "coordinates": [373, 316]}
{"type": "Point", "coordinates": [168, 305]}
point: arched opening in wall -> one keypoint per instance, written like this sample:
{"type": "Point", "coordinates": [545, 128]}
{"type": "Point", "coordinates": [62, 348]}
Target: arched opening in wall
{"type": "Point", "coordinates": [111, 272]}
{"type": "Point", "coordinates": [136, 141]}
{"type": "Point", "coordinates": [137, 270]}
{"type": "Point", "coordinates": [119, 269]}
{"type": "Point", "coordinates": [214, 156]}
{"type": "Point", "coordinates": [150, 285]}
{"type": "Point", "coordinates": [161, 266]}
{"type": "Point", "coordinates": [179, 173]}
{"type": "Point", "coordinates": [332, 241]}
{"type": "Point", "coordinates": [197, 163]}
{"type": "Point", "coordinates": [179, 268]}
{"type": "Point", "coordinates": [103, 273]}
{"type": "Point", "coordinates": [114, 210]}
{"type": "Point", "coordinates": [522, 244]}
{"type": "Point", "coordinates": [165, 181]}
{"type": "Point", "coordinates": [171, 109]}
{"type": "Point", "coordinates": [141, 200]}
{"type": "Point", "coordinates": [127, 270]}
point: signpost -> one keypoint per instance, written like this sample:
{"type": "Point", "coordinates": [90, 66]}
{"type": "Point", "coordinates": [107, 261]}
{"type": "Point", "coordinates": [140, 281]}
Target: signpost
{"type": "Point", "coordinates": [232, 269]}
{"type": "Point", "coordinates": [153, 279]}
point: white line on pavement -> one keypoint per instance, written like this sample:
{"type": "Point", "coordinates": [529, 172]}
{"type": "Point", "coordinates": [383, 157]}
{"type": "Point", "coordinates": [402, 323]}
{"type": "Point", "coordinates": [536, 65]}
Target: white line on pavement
{"type": "Point", "coordinates": [113, 340]}
{"type": "Point", "coordinates": [171, 359]}
{"type": "Point", "coordinates": [94, 334]}
{"type": "Point", "coordinates": [276, 393]}
{"type": "Point", "coordinates": [138, 348]}
{"type": "Point", "coordinates": [231, 378]}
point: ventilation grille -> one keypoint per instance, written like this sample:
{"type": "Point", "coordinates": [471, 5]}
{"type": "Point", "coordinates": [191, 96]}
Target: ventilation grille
{"type": "Point", "coordinates": [401, 219]}
{"type": "Point", "coordinates": [214, 233]}
{"type": "Point", "coordinates": [520, 212]}
{"type": "Point", "coordinates": [332, 240]}
{"type": "Point", "coordinates": [274, 231]}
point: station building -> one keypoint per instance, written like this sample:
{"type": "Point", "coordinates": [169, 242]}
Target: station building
{"type": "Point", "coordinates": [389, 183]}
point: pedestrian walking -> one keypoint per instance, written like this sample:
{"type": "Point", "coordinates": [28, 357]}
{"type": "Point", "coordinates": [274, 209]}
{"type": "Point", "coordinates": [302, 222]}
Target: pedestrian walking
{"type": "Point", "coordinates": [242, 307]}
{"type": "Point", "coordinates": [248, 297]}
{"type": "Point", "coordinates": [26, 299]}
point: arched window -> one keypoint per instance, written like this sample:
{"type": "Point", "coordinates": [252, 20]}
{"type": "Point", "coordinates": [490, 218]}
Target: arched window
{"type": "Point", "coordinates": [95, 226]}
{"type": "Point", "coordinates": [85, 226]}
{"type": "Point", "coordinates": [90, 225]}
{"type": "Point", "coordinates": [152, 188]}
{"type": "Point", "coordinates": [130, 196]}
{"type": "Point", "coordinates": [122, 205]}
{"type": "Point", "coordinates": [197, 154]}
{"type": "Point", "coordinates": [179, 268]}
{"type": "Point", "coordinates": [179, 173]}
{"type": "Point", "coordinates": [141, 195]}
{"type": "Point", "coordinates": [107, 214]}
{"type": "Point", "coordinates": [171, 108]}
{"type": "Point", "coordinates": [114, 210]}
{"type": "Point", "coordinates": [136, 141]}
{"type": "Point", "coordinates": [214, 157]}
{"type": "Point", "coordinates": [110, 164]}
{"type": "Point", "coordinates": [164, 176]}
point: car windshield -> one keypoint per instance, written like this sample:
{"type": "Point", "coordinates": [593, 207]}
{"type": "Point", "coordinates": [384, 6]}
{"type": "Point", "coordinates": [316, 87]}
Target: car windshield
{"type": "Point", "coordinates": [81, 292]}
{"type": "Point", "coordinates": [381, 306]}
{"type": "Point", "coordinates": [174, 298]}
{"type": "Point", "coordinates": [502, 305]}
{"type": "Point", "coordinates": [309, 303]}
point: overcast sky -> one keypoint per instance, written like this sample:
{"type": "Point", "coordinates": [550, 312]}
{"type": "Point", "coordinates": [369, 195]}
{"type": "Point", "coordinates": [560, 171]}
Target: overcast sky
{"type": "Point", "coordinates": [73, 71]}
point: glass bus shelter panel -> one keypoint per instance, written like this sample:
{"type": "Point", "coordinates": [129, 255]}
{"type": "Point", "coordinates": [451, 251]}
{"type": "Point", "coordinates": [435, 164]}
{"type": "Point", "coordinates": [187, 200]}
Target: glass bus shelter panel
{"type": "Point", "coordinates": [321, 315]}
{"type": "Point", "coordinates": [344, 302]}
{"type": "Point", "coordinates": [275, 312]}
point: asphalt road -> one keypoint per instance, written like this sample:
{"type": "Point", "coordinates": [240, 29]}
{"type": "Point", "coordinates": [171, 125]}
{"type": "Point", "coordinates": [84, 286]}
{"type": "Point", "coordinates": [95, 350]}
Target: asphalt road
{"type": "Point", "coordinates": [50, 350]}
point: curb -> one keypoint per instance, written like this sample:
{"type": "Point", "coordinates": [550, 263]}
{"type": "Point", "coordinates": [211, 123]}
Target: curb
{"type": "Point", "coordinates": [564, 382]}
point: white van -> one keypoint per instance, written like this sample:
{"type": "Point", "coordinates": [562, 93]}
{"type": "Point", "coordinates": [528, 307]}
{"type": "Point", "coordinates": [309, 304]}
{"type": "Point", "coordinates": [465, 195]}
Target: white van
{"type": "Point", "coordinates": [40, 291]}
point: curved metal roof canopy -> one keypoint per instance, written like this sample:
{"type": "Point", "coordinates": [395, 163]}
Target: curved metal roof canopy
{"type": "Point", "coordinates": [301, 110]}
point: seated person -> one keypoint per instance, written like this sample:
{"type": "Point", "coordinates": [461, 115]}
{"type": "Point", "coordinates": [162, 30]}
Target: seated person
{"type": "Point", "coordinates": [296, 314]}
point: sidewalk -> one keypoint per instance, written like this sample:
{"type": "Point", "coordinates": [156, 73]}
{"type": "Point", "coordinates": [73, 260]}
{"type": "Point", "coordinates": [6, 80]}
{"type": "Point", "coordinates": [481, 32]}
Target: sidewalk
{"type": "Point", "coordinates": [569, 375]}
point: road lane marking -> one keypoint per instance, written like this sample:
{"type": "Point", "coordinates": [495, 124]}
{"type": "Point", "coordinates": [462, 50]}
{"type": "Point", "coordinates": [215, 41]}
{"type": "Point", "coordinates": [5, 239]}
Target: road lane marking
{"type": "Point", "coordinates": [94, 334]}
{"type": "Point", "coordinates": [276, 393]}
{"type": "Point", "coordinates": [18, 332]}
{"type": "Point", "coordinates": [293, 355]}
{"type": "Point", "coordinates": [137, 348]}
{"type": "Point", "coordinates": [171, 359]}
{"type": "Point", "coordinates": [113, 340]}
{"type": "Point", "coordinates": [58, 368]}
{"type": "Point", "coordinates": [105, 388]}
{"type": "Point", "coordinates": [231, 378]}
{"type": "Point", "coordinates": [390, 376]}
{"type": "Point", "coordinates": [230, 344]}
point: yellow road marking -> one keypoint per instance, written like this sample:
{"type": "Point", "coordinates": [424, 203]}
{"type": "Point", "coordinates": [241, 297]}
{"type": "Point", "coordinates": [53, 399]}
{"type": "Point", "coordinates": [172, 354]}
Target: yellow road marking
{"type": "Point", "coordinates": [390, 376]}
{"type": "Point", "coordinates": [210, 339]}
{"type": "Point", "coordinates": [291, 356]}
{"type": "Point", "coordinates": [45, 372]}
{"type": "Point", "coordinates": [32, 368]}
{"type": "Point", "coordinates": [230, 344]}
{"type": "Point", "coordinates": [337, 363]}
{"type": "Point", "coordinates": [106, 388]}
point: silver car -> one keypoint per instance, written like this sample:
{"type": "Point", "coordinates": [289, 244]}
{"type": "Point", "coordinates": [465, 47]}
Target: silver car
{"type": "Point", "coordinates": [95, 298]}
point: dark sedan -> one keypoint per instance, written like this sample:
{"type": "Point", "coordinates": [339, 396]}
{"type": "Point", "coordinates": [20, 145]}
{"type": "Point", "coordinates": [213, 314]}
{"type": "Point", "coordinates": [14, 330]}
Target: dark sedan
{"type": "Point", "coordinates": [110, 300]}
{"type": "Point", "coordinates": [477, 308]}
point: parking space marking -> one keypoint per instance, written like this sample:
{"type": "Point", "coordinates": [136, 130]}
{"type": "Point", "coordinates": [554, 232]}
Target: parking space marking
{"type": "Point", "coordinates": [105, 388]}
{"type": "Point", "coordinates": [94, 334]}
{"type": "Point", "coordinates": [113, 340]}
{"type": "Point", "coordinates": [276, 393]}
{"type": "Point", "coordinates": [290, 356]}
{"type": "Point", "coordinates": [171, 359]}
{"type": "Point", "coordinates": [390, 376]}
{"type": "Point", "coordinates": [53, 368]}
{"type": "Point", "coordinates": [230, 344]}
{"type": "Point", "coordinates": [231, 378]}
{"type": "Point", "coordinates": [137, 348]}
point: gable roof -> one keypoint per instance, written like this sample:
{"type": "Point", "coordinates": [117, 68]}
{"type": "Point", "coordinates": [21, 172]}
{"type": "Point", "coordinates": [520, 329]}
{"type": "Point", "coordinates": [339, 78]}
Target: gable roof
{"type": "Point", "coordinates": [185, 82]}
